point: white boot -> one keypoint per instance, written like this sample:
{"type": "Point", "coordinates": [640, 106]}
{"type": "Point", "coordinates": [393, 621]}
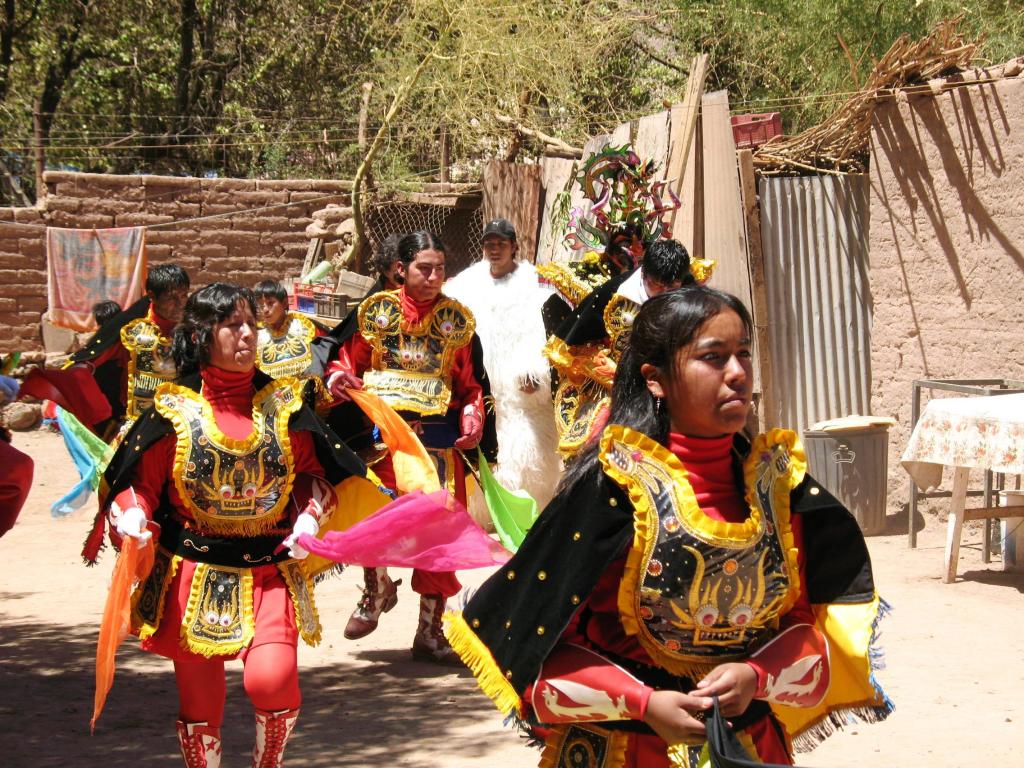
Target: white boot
{"type": "Point", "coordinates": [430, 644]}
{"type": "Point", "coordinates": [200, 745]}
{"type": "Point", "coordinates": [272, 732]}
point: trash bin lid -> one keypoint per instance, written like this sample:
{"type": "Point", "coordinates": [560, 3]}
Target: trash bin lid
{"type": "Point", "coordinates": [853, 423]}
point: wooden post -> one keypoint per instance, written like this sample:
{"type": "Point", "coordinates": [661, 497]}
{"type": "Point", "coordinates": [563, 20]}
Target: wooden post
{"type": "Point", "coordinates": [37, 150]}
{"type": "Point", "coordinates": [445, 159]}
{"type": "Point", "coordinates": [364, 118]}
{"type": "Point", "coordinates": [684, 124]}
{"type": "Point", "coordinates": [763, 377]}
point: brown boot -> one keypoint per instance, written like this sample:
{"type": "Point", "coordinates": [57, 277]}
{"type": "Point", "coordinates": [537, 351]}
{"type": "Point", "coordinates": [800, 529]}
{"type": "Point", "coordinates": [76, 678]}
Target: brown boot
{"type": "Point", "coordinates": [200, 745]}
{"type": "Point", "coordinates": [272, 732]}
{"type": "Point", "coordinates": [430, 644]}
{"type": "Point", "coordinates": [380, 594]}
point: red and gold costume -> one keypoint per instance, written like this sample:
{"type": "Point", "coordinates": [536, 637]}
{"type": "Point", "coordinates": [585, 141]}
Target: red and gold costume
{"type": "Point", "coordinates": [422, 359]}
{"type": "Point", "coordinates": [287, 351]}
{"type": "Point", "coordinates": [130, 356]}
{"type": "Point", "coordinates": [232, 470]}
{"type": "Point", "coordinates": [223, 469]}
{"type": "Point", "coordinates": [662, 569]}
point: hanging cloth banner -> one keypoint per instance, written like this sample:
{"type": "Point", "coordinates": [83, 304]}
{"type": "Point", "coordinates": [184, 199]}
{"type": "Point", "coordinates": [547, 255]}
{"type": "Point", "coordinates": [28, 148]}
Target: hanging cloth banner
{"type": "Point", "coordinates": [86, 266]}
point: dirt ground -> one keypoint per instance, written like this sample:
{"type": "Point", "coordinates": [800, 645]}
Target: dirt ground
{"type": "Point", "coordinates": [953, 655]}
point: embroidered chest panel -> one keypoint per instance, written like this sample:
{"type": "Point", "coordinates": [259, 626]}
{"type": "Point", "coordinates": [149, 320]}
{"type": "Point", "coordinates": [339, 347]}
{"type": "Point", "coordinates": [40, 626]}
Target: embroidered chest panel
{"type": "Point", "coordinates": [289, 354]}
{"type": "Point", "coordinates": [699, 591]}
{"type": "Point", "coordinates": [150, 363]}
{"type": "Point", "coordinates": [412, 364]}
{"type": "Point", "coordinates": [230, 486]}
{"type": "Point", "coordinates": [618, 322]}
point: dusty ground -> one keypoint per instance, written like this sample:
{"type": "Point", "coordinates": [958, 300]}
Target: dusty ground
{"type": "Point", "coordinates": [954, 654]}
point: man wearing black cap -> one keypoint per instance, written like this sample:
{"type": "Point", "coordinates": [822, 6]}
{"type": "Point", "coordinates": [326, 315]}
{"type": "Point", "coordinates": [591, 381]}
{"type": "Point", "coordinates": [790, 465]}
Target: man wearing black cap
{"type": "Point", "coordinates": [506, 295]}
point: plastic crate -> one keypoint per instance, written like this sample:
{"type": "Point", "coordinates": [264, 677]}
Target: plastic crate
{"type": "Point", "coordinates": [305, 297]}
{"type": "Point", "coordinates": [332, 305]}
{"type": "Point", "coordinates": [752, 130]}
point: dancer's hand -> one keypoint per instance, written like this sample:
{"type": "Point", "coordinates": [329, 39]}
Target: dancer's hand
{"type": "Point", "coordinates": [340, 382]}
{"type": "Point", "coordinates": [132, 522]}
{"type": "Point", "coordinates": [733, 684]}
{"type": "Point", "coordinates": [471, 425]}
{"type": "Point", "coordinates": [671, 715]}
{"type": "Point", "coordinates": [304, 523]}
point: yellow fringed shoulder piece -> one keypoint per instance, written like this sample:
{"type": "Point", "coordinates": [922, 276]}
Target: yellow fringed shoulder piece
{"type": "Point", "coordinates": [850, 629]}
{"type": "Point", "coordinates": [477, 657]}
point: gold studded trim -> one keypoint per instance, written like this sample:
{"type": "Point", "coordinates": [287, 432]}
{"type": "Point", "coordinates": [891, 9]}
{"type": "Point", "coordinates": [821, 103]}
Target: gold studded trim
{"type": "Point", "coordinates": [475, 655]}
{"type": "Point", "coordinates": [646, 521]}
{"type": "Point", "coordinates": [300, 587]}
{"type": "Point", "coordinates": [182, 428]}
{"type": "Point", "coordinates": [240, 607]}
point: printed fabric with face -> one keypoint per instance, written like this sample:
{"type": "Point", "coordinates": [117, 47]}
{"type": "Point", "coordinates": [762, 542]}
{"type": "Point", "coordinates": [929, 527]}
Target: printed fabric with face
{"type": "Point", "coordinates": [709, 395]}
{"type": "Point", "coordinates": [424, 275]}
{"type": "Point", "coordinates": [233, 346]}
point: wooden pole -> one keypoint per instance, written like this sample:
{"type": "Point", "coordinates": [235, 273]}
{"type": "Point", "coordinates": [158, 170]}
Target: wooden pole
{"type": "Point", "coordinates": [684, 125]}
{"type": "Point", "coordinates": [445, 154]}
{"type": "Point", "coordinates": [763, 377]}
{"type": "Point", "coordinates": [37, 150]}
{"type": "Point", "coordinates": [364, 119]}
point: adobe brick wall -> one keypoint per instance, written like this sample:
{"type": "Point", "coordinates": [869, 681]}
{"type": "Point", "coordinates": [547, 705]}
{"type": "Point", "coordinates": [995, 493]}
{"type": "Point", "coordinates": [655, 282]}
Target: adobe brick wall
{"type": "Point", "coordinates": [947, 246]}
{"type": "Point", "coordinates": [243, 248]}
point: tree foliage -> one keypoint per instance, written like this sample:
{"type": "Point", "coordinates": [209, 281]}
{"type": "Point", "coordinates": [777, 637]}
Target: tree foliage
{"type": "Point", "coordinates": [273, 87]}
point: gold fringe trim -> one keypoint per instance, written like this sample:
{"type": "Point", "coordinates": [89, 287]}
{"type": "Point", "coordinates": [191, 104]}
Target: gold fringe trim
{"type": "Point", "coordinates": [310, 635]}
{"type": "Point", "coordinates": [478, 658]}
{"type": "Point", "coordinates": [565, 282]}
{"type": "Point", "coordinates": [131, 411]}
{"type": "Point", "coordinates": [375, 334]}
{"type": "Point", "coordinates": [268, 521]}
{"type": "Point", "coordinates": [142, 629]}
{"type": "Point", "coordinates": [247, 615]}
{"type": "Point", "coordinates": [781, 491]}
{"type": "Point", "coordinates": [717, 532]}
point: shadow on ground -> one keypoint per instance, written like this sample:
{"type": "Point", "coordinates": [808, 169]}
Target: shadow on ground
{"type": "Point", "coordinates": [392, 712]}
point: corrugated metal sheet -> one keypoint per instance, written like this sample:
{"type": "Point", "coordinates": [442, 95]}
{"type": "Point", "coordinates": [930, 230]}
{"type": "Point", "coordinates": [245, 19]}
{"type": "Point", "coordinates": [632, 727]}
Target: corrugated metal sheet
{"type": "Point", "coordinates": [814, 234]}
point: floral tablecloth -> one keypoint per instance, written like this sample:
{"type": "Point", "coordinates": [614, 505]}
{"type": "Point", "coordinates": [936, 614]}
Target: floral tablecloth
{"type": "Point", "coordinates": [982, 432]}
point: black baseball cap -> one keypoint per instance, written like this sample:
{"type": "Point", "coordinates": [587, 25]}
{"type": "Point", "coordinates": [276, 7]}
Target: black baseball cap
{"type": "Point", "coordinates": [501, 227]}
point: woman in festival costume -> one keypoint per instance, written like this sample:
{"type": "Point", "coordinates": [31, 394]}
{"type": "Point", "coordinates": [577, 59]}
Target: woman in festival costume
{"type": "Point", "coordinates": [678, 563]}
{"type": "Point", "coordinates": [224, 472]}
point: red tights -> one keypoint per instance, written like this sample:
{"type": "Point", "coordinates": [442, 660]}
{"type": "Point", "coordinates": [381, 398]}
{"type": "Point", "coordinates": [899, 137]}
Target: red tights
{"type": "Point", "coordinates": [271, 680]}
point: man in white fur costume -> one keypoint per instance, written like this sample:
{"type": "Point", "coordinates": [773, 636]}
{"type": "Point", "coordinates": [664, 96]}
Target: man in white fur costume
{"type": "Point", "coordinates": [505, 295]}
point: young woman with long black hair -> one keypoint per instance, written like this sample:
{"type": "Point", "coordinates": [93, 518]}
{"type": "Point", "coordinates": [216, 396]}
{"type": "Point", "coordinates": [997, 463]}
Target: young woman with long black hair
{"type": "Point", "coordinates": [679, 563]}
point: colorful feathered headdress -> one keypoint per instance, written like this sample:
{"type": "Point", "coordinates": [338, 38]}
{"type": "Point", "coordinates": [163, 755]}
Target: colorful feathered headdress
{"type": "Point", "coordinates": [628, 207]}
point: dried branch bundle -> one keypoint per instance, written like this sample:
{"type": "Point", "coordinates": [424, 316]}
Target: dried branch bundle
{"type": "Point", "coordinates": [840, 144]}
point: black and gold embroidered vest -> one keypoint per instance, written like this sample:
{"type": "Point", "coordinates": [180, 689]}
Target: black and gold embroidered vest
{"type": "Point", "coordinates": [229, 486]}
{"type": "Point", "coordinates": [412, 364]}
{"type": "Point", "coordinates": [150, 364]}
{"type": "Point", "coordinates": [618, 322]}
{"type": "Point", "coordinates": [696, 591]}
{"type": "Point", "coordinates": [289, 354]}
